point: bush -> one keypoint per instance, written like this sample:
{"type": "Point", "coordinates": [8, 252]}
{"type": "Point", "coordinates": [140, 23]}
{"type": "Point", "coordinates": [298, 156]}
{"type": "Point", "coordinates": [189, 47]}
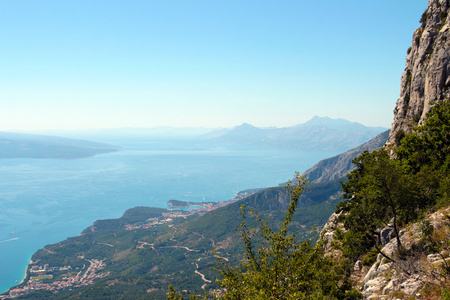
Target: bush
{"type": "Point", "coordinates": [370, 257]}
{"type": "Point", "coordinates": [399, 135]}
{"type": "Point", "coordinates": [423, 18]}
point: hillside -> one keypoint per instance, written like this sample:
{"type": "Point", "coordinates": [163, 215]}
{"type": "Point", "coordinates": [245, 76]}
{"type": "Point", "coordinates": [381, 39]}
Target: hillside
{"type": "Point", "coordinates": [338, 166]}
{"type": "Point", "coordinates": [20, 145]}
{"type": "Point", "coordinates": [319, 133]}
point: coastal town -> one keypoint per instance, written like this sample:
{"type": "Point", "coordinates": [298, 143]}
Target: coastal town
{"type": "Point", "coordinates": [40, 277]}
{"type": "Point", "coordinates": [200, 208]}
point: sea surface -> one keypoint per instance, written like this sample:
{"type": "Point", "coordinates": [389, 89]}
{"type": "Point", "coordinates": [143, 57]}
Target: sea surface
{"type": "Point", "coordinates": [44, 201]}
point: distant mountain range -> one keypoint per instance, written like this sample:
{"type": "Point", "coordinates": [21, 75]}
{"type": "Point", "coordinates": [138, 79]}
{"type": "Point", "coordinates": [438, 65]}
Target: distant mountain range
{"type": "Point", "coordinates": [20, 145]}
{"type": "Point", "coordinates": [319, 133]}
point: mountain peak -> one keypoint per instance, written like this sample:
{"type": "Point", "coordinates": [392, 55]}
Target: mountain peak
{"type": "Point", "coordinates": [337, 124]}
{"type": "Point", "coordinates": [245, 125]}
{"type": "Point", "coordinates": [317, 118]}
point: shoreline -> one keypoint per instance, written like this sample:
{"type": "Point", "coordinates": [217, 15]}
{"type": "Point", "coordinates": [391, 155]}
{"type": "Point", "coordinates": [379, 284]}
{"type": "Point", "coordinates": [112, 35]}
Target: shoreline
{"type": "Point", "coordinates": [16, 283]}
{"type": "Point", "coordinates": [26, 272]}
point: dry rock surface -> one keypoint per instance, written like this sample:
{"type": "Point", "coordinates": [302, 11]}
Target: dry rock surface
{"type": "Point", "coordinates": [426, 77]}
{"type": "Point", "coordinates": [411, 271]}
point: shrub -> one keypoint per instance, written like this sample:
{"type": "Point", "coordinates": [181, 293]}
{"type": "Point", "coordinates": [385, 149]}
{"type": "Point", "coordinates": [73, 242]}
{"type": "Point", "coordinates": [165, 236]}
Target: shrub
{"type": "Point", "coordinates": [399, 135]}
{"type": "Point", "coordinates": [370, 258]}
{"type": "Point", "coordinates": [423, 18]}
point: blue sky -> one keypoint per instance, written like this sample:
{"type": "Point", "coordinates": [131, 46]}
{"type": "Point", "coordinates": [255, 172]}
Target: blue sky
{"type": "Point", "coordinates": [108, 64]}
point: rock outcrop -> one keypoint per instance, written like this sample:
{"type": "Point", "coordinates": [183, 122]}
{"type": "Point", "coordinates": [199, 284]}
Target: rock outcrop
{"type": "Point", "coordinates": [411, 269]}
{"type": "Point", "coordinates": [426, 78]}
{"type": "Point", "coordinates": [328, 235]}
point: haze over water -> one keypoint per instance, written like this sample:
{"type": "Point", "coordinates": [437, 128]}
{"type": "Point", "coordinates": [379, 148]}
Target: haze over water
{"type": "Point", "coordinates": [44, 201]}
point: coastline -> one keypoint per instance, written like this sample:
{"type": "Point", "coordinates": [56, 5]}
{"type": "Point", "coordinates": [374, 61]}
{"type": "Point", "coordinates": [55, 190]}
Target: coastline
{"type": "Point", "coordinates": [16, 282]}
{"type": "Point", "coordinates": [26, 272]}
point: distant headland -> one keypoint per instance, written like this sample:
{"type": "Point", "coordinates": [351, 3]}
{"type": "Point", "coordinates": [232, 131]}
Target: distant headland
{"type": "Point", "coordinates": [20, 145]}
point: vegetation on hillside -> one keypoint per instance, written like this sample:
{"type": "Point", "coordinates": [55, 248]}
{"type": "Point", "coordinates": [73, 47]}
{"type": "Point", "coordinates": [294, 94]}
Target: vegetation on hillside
{"type": "Point", "coordinates": [382, 191]}
{"type": "Point", "coordinates": [277, 266]}
{"type": "Point", "coordinates": [141, 259]}
{"type": "Point", "coordinates": [391, 193]}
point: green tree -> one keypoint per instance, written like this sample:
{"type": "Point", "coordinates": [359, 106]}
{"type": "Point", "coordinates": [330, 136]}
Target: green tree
{"type": "Point", "coordinates": [382, 190]}
{"type": "Point", "coordinates": [378, 192]}
{"type": "Point", "coordinates": [277, 267]}
{"type": "Point", "coordinates": [425, 153]}
{"type": "Point", "coordinates": [173, 295]}
{"type": "Point", "coordinates": [428, 145]}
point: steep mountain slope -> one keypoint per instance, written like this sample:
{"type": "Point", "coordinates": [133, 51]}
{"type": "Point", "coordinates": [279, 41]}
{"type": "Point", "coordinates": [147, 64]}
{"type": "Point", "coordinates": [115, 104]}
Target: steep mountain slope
{"type": "Point", "coordinates": [426, 78]}
{"type": "Point", "coordinates": [338, 166]}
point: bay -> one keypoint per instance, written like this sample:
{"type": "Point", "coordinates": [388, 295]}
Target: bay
{"type": "Point", "coordinates": [43, 201]}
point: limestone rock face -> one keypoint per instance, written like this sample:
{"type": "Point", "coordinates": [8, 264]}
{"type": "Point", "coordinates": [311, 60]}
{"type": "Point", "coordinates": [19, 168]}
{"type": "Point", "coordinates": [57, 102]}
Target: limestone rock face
{"type": "Point", "coordinates": [328, 235]}
{"type": "Point", "coordinates": [408, 274]}
{"type": "Point", "coordinates": [426, 77]}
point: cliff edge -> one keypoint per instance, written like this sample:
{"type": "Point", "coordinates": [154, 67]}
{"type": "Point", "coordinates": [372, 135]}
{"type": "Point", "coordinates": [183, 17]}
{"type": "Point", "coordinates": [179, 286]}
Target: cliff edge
{"type": "Point", "coordinates": [426, 78]}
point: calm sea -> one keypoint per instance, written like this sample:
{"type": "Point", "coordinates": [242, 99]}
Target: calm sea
{"type": "Point", "coordinates": [43, 201]}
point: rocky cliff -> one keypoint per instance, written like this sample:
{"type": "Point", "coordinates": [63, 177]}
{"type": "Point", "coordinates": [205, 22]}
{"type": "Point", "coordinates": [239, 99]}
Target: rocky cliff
{"type": "Point", "coordinates": [426, 78]}
{"type": "Point", "coordinates": [410, 275]}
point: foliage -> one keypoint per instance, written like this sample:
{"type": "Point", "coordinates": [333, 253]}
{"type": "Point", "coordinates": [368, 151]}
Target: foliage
{"type": "Point", "coordinates": [173, 295]}
{"type": "Point", "coordinates": [423, 18]}
{"type": "Point", "coordinates": [429, 145]}
{"type": "Point", "coordinates": [433, 244]}
{"type": "Point", "coordinates": [370, 257]}
{"type": "Point", "coordinates": [408, 51]}
{"type": "Point", "coordinates": [425, 153]}
{"type": "Point", "coordinates": [399, 135]}
{"type": "Point", "coordinates": [276, 267]}
{"type": "Point", "coordinates": [382, 190]}
{"type": "Point", "coordinates": [446, 294]}
{"type": "Point", "coordinates": [418, 36]}
{"type": "Point", "coordinates": [378, 192]}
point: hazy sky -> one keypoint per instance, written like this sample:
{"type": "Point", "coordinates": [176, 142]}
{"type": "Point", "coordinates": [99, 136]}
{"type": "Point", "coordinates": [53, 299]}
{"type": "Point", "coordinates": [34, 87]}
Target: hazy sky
{"type": "Point", "coordinates": [106, 64]}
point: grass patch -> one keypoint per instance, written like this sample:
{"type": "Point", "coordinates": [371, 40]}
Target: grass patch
{"type": "Point", "coordinates": [42, 277]}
